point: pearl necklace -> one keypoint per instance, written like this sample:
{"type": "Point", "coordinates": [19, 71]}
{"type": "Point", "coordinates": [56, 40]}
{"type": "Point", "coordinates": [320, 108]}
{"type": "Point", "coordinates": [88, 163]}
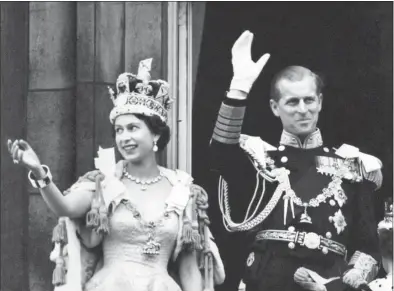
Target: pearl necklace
{"type": "Point", "coordinates": [143, 183]}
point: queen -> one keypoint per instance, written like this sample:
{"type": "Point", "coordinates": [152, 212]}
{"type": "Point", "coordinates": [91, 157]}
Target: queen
{"type": "Point", "coordinates": [131, 225]}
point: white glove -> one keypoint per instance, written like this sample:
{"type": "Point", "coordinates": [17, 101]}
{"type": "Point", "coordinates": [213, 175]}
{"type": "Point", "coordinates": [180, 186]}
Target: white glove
{"type": "Point", "coordinates": [245, 70]}
{"type": "Point", "coordinates": [354, 278]}
{"type": "Point", "coordinates": [302, 278]}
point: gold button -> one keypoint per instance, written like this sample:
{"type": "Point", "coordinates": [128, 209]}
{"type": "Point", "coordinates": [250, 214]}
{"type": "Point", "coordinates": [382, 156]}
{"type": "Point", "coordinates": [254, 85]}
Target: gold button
{"type": "Point", "coordinates": [281, 148]}
{"type": "Point", "coordinates": [328, 235]}
{"type": "Point", "coordinates": [326, 149]}
{"type": "Point", "coordinates": [284, 159]}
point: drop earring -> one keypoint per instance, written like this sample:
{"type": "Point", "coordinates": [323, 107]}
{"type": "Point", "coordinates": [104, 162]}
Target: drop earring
{"type": "Point", "coordinates": [155, 148]}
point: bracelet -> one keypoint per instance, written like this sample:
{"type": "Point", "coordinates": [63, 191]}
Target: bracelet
{"type": "Point", "coordinates": [39, 184]}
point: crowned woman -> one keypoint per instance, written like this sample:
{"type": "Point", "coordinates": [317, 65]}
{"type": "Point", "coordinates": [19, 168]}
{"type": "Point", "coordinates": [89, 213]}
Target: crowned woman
{"type": "Point", "coordinates": [131, 225]}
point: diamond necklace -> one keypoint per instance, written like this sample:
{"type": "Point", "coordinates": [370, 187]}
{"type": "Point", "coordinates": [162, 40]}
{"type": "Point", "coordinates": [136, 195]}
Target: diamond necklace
{"type": "Point", "coordinates": [143, 183]}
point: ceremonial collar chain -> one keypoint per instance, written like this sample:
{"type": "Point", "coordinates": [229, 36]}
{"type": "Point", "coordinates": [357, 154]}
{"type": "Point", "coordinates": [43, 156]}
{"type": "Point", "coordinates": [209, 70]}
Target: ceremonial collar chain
{"type": "Point", "coordinates": [143, 183]}
{"type": "Point", "coordinates": [333, 189]}
{"type": "Point", "coordinates": [312, 141]}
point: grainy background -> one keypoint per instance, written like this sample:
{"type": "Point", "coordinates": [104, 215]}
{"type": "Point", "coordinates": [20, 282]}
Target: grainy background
{"type": "Point", "coordinates": [57, 59]}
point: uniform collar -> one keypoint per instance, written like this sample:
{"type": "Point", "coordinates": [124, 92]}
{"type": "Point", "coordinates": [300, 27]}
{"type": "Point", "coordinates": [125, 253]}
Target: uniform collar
{"type": "Point", "coordinates": [312, 141]}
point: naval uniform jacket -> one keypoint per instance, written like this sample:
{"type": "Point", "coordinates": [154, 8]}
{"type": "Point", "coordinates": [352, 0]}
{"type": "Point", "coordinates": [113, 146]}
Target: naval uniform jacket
{"type": "Point", "coordinates": [348, 220]}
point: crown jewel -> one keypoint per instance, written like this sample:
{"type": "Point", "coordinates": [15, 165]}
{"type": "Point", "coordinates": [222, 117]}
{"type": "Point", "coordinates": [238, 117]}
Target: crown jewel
{"type": "Point", "coordinates": [138, 94]}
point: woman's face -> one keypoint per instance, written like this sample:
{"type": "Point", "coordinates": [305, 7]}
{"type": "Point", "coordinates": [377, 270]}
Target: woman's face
{"type": "Point", "coordinates": [133, 138]}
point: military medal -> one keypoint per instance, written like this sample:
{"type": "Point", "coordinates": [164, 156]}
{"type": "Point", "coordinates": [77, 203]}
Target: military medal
{"type": "Point", "coordinates": [330, 166]}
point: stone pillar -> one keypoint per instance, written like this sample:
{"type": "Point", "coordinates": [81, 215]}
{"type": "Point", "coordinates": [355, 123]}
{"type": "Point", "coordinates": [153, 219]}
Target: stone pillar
{"type": "Point", "coordinates": [14, 47]}
{"type": "Point", "coordinates": [50, 120]}
{"type": "Point", "coordinates": [112, 38]}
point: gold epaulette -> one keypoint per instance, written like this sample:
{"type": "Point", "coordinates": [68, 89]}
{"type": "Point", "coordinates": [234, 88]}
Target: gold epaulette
{"type": "Point", "coordinates": [375, 177]}
{"type": "Point", "coordinates": [370, 166]}
{"type": "Point", "coordinates": [257, 149]}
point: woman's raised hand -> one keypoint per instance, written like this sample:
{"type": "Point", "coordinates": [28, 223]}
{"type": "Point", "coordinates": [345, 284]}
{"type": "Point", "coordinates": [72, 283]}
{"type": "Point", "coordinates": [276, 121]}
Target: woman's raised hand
{"type": "Point", "coordinates": [245, 69]}
{"type": "Point", "coordinates": [23, 154]}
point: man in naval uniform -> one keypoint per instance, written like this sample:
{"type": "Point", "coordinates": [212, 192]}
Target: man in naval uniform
{"type": "Point", "coordinates": [306, 209]}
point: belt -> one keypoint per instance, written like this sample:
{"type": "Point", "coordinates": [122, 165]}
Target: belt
{"type": "Point", "coordinates": [310, 240]}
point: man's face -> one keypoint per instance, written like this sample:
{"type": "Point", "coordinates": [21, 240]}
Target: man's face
{"type": "Point", "coordinates": [298, 106]}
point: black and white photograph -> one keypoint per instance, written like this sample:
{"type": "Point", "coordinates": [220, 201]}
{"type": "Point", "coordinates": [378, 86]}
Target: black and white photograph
{"type": "Point", "coordinates": [196, 146]}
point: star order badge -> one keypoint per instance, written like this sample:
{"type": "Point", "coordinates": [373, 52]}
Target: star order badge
{"type": "Point", "coordinates": [339, 221]}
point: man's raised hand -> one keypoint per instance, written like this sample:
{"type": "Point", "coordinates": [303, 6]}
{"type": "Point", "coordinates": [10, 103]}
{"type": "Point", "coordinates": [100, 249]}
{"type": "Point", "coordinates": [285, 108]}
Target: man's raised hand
{"type": "Point", "coordinates": [246, 71]}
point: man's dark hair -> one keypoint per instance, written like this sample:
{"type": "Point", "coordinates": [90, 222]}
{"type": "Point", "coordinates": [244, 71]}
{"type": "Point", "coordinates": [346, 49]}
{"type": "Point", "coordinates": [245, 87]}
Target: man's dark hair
{"type": "Point", "coordinates": [294, 74]}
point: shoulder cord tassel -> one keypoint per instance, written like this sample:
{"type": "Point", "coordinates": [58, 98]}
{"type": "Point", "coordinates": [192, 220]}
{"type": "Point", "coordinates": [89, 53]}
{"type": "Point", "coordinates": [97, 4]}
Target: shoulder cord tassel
{"type": "Point", "coordinates": [206, 263]}
{"type": "Point", "coordinates": [187, 228]}
{"type": "Point", "coordinates": [187, 233]}
{"type": "Point", "coordinates": [92, 217]}
{"type": "Point", "coordinates": [103, 225]}
{"type": "Point", "coordinates": [59, 274]}
{"type": "Point", "coordinates": [59, 236]}
{"type": "Point", "coordinates": [191, 235]}
{"type": "Point", "coordinates": [97, 217]}
{"type": "Point", "coordinates": [196, 237]}
{"type": "Point", "coordinates": [198, 203]}
{"type": "Point", "coordinates": [203, 221]}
